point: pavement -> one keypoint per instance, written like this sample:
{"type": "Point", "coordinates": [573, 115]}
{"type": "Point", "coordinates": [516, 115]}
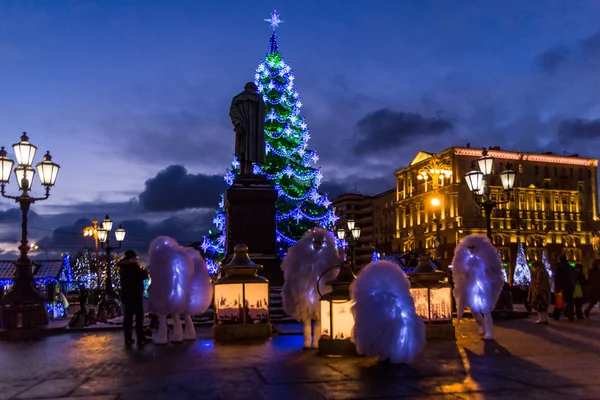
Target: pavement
{"type": "Point", "coordinates": [526, 361]}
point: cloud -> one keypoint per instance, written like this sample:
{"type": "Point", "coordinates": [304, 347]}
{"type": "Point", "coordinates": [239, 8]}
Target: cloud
{"type": "Point", "coordinates": [174, 189]}
{"type": "Point", "coordinates": [579, 128]}
{"type": "Point", "coordinates": [385, 129]}
{"type": "Point", "coordinates": [552, 58]}
{"type": "Point", "coordinates": [185, 228]}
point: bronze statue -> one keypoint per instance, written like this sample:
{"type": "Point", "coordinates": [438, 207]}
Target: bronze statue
{"type": "Point", "coordinates": [247, 113]}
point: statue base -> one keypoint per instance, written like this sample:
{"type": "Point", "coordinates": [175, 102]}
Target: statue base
{"type": "Point", "coordinates": [233, 332]}
{"type": "Point", "coordinates": [440, 331]}
{"type": "Point", "coordinates": [250, 207]}
{"type": "Point", "coordinates": [337, 348]}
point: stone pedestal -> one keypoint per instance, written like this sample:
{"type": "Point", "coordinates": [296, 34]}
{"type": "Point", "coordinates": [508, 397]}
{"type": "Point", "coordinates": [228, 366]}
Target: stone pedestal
{"type": "Point", "coordinates": [250, 210]}
{"type": "Point", "coordinates": [227, 333]}
{"type": "Point", "coordinates": [440, 331]}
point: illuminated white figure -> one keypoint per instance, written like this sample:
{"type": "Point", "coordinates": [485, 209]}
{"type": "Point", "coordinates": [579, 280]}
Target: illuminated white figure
{"type": "Point", "coordinates": [180, 286]}
{"type": "Point", "coordinates": [478, 280]}
{"type": "Point", "coordinates": [302, 266]}
{"type": "Point", "coordinates": [385, 322]}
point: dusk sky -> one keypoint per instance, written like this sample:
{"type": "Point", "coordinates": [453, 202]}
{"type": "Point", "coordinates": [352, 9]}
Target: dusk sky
{"type": "Point", "coordinates": [132, 97]}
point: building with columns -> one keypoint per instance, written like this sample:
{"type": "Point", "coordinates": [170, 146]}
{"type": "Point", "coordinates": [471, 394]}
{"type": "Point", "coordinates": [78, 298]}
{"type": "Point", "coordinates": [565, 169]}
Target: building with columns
{"type": "Point", "coordinates": [553, 207]}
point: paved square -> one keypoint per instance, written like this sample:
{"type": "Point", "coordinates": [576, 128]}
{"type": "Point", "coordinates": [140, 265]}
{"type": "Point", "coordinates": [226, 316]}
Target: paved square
{"type": "Point", "coordinates": [526, 361]}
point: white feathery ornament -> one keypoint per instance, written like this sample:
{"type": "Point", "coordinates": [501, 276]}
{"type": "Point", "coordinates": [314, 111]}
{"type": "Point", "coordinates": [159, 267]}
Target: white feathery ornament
{"type": "Point", "coordinates": [386, 324]}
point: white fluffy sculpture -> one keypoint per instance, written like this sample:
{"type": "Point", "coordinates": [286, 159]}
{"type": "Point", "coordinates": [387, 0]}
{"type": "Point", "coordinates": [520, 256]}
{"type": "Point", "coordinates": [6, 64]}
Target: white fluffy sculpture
{"type": "Point", "coordinates": [180, 286]}
{"type": "Point", "coordinates": [478, 280]}
{"type": "Point", "coordinates": [302, 266]}
{"type": "Point", "coordinates": [385, 322]}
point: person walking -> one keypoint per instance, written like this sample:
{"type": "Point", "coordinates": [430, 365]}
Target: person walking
{"type": "Point", "coordinates": [580, 284]}
{"type": "Point", "coordinates": [132, 292]}
{"type": "Point", "coordinates": [594, 281]}
{"type": "Point", "coordinates": [83, 299]}
{"type": "Point", "coordinates": [564, 283]}
{"type": "Point", "coordinates": [539, 291]}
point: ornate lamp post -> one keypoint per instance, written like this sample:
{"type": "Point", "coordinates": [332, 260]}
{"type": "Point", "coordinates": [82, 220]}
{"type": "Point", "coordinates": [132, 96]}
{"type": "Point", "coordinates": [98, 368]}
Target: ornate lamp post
{"type": "Point", "coordinates": [110, 297]}
{"type": "Point", "coordinates": [337, 320]}
{"type": "Point", "coordinates": [23, 307]}
{"type": "Point", "coordinates": [351, 236]}
{"type": "Point", "coordinates": [435, 202]}
{"type": "Point", "coordinates": [480, 186]}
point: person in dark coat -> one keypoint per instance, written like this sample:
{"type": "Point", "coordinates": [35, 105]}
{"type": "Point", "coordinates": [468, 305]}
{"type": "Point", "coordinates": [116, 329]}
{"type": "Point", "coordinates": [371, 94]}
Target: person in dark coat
{"type": "Point", "coordinates": [580, 285]}
{"type": "Point", "coordinates": [564, 282]}
{"type": "Point", "coordinates": [132, 292]}
{"type": "Point", "coordinates": [83, 299]}
{"type": "Point", "coordinates": [594, 282]}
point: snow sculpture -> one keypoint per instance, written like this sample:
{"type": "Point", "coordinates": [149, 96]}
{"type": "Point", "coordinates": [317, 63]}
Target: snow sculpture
{"type": "Point", "coordinates": [176, 287]}
{"type": "Point", "coordinates": [478, 280]}
{"type": "Point", "coordinates": [385, 322]}
{"type": "Point", "coordinates": [302, 266]}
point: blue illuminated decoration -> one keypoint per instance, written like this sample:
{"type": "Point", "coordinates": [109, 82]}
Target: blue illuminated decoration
{"type": "Point", "coordinates": [56, 310]}
{"type": "Point", "coordinates": [290, 164]}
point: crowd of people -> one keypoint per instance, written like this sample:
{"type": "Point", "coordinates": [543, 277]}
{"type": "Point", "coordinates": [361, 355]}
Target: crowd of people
{"type": "Point", "coordinates": [571, 290]}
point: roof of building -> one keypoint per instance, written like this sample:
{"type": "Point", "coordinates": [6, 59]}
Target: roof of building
{"type": "Point", "coordinates": [48, 269]}
{"type": "Point", "coordinates": [7, 270]}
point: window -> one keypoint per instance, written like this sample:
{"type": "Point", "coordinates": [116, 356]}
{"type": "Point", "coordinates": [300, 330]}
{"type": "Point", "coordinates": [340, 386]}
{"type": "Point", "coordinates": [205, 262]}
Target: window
{"type": "Point", "coordinates": [546, 171]}
{"type": "Point", "coordinates": [580, 188]}
{"type": "Point", "coordinates": [521, 168]}
{"type": "Point", "coordinates": [589, 174]}
{"type": "Point", "coordinates": [555, 172]}
{"type": "Point", "coordinates": [580, 174]}
{"type": "Point", "coordinates": [537, 199]}
{"type": "Point", "coordinates": [537, 170]}
{"type": "Point", "coordinates": [547, 199]}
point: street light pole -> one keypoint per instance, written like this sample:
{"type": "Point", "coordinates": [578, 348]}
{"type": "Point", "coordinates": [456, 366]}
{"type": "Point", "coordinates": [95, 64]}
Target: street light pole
{"type": "Point", "coordinates": [435, 202]}
{"type": "Point", "coordinates": [104, 238]}
{"type": "Point", "coordinates": [352, 234]}
{"type": "Point", "coordinates": [480, 186]}
{"type": "Point", "coordinates": [24, 307]}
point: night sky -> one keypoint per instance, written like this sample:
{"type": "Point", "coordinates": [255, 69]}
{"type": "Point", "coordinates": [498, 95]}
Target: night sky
{"type": "Point", "coordinates": [132, 97]}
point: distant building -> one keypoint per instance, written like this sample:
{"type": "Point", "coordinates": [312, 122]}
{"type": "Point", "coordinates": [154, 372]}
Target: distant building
{"type": "Point", "coordinates": [553, 207]}
{"type": "Point", "coordinates": [359, 208]}
{"type": "Point", "coordinates": [384, 221]}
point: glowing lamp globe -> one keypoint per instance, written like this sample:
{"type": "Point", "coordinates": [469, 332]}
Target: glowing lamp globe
{"type": "Point", "coordinates": [350, 224]}
{"type": "Point", "coordinates": [435, 202]}
{"type": "Point", "coordinates": [102, 235]}
{"type": "Point", "coordinates": [433, 299]}
{"type": "Point", "coordinates": [337, 321]}
{"type": "Point", "coordinates": [474, 181]}
{"type": "Point", "coordinates": [241, 300]}
{"type": "Point", "coordinates": [120, 234]}
{"type": "Point", "coordinates": [486, 163]}
{"type": "Point", "coordinates": [24, 151]}
{"type": "Point", "coordinates": [24, 175]}
{"type": "Point", "coordinates": [47, 170]}
{"type": "Point", "coordinates": [508, 179]}
{"type": "Point", "coordinates": [107, 223]}
{"type": "Point", "coordinates": [341, 233]}
{"type": "Point", "coordinates": [6, 165]}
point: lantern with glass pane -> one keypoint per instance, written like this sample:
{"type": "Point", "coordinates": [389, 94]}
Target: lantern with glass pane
{"type": "Point", "coordinates": [337, 321]}
{"type": "Point", "coordinates": [479, 183]}
{"type": "Point", "coordinates": [241, 300]}
{"type": "Point", "coordinates": [433, 298]}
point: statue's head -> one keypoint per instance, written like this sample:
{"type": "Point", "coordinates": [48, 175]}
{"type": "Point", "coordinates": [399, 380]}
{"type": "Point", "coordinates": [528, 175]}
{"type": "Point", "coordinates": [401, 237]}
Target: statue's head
{"type": "Point", "coordinates": [250, 86]}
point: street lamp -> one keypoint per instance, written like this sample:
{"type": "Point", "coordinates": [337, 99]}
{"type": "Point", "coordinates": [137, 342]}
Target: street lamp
{"type": "Point", "coordinates": [110, 297]}
{"type": "Point", "coordinates": [435, 202]}
{"type": "Point", "coordinates": [479, 185]}
{"type": "Point", "coordinates": [437, 171]}
{"type": "Point", "coordinates": [24, 307]}
{"type": "Point", "coordinates": [352, 235]}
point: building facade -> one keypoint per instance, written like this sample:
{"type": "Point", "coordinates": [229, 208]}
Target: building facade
{"type": "Point", "coordinates": [359, 208]}
{"type": "Point", "coordinates": [384, 221]}
{"type": "Point", "coordinates": [553, 207]}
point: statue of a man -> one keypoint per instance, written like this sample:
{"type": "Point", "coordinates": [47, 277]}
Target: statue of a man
{"type": "Point", "coordinates": [247, 113]}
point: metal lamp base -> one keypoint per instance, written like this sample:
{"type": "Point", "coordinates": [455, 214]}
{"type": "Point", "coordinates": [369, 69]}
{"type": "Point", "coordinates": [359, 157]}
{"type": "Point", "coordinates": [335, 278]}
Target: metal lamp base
{"type": "Point", "coordinates": [337, 348]}
{"type": "Point", "coordinates": [23, 309]}
{"type": "Point", "coordinates": [231, 332]}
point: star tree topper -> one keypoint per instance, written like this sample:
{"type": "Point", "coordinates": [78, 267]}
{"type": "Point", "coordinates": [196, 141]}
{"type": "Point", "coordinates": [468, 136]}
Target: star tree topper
{"type": "Point", "coordinates": [274, 20]}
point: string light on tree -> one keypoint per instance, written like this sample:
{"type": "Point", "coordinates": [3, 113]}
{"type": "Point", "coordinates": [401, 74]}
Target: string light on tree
{"type": "Point", "coordinates": [522, 276]}
{"type": "Point", "coordinates": [289, 165]}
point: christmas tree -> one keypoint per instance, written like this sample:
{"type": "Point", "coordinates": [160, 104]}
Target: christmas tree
{"type": "Point", "coordinates": [289, 164]}
{"type": "Point", "coordinates": [548, 268]}
{"type": "Point", "coordinates": [504, 273]}
{"type": "Point", "coordinates": [522, 276]}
